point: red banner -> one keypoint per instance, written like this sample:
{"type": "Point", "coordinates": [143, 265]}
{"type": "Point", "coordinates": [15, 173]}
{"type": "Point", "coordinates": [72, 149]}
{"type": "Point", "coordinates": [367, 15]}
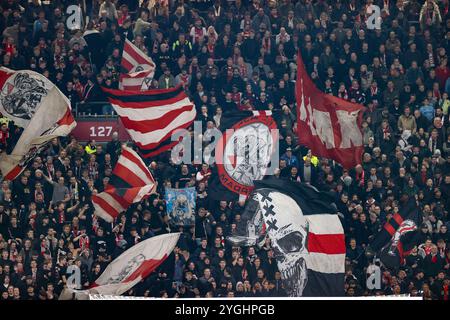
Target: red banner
{"type": "Point", "coordinates": [329, 126]}
{"type": "Point", "coordinates": [99, 129]}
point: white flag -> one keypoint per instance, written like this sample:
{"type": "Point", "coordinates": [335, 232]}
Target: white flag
{"type": "Point", "coordinates": [130, 267]}
{"type": "Point", "coordinates": [34, 103]}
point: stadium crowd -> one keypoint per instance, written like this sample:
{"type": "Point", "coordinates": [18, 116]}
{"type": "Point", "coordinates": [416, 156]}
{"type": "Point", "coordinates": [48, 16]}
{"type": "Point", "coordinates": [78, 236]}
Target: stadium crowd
{"type": "Point", "coordinates": [228, 55]}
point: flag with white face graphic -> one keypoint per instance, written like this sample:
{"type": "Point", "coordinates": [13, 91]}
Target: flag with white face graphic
{"type": "Point", "coordinates": [246, 151]}
{"type": "Point", "coordinates": [132, 266]}
{"type": "Point", "coordinates": [35, 104]}
{"type": "Point", "coordinates": [139, 68]}
{"type": "Point", "coordinates": [306, 235]}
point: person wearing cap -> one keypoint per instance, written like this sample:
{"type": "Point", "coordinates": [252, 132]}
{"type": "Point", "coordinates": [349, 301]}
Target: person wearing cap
{"type": "Point", "coordinates": [145, 231]}
{"type": "Point", "coordinates": [291, 160]}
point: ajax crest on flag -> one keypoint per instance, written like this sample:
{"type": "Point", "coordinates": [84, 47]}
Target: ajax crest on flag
{"type": "Point", "coordinates": [244, 153]}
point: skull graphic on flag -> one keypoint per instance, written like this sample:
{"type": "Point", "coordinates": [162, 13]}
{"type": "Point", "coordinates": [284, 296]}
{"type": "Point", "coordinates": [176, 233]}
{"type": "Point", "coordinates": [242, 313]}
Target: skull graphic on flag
{"type": "Point", "coordinates": [287, 228]}
{"type": "Point", "coordinates": [306, 235]}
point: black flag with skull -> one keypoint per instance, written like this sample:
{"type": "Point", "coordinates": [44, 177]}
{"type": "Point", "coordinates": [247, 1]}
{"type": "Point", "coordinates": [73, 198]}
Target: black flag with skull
{"type": "Point", "coordinates": [306, 235]}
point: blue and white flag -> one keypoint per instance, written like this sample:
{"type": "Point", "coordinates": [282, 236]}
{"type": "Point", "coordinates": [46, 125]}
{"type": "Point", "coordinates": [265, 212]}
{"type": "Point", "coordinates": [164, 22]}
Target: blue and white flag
{"type": "Point", "coordinates": [180, 205]}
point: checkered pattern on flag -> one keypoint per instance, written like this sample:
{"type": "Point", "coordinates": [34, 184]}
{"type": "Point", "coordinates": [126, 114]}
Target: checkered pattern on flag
{"type": "Point", "coordinates": [138, 68]}
{"type": "Point", "coordinates": [131, 182]}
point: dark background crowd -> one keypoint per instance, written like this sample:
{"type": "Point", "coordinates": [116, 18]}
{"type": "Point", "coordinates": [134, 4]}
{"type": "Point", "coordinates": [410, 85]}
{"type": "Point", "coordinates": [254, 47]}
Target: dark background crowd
{"type": "Point", "coordinates": [231, 55]}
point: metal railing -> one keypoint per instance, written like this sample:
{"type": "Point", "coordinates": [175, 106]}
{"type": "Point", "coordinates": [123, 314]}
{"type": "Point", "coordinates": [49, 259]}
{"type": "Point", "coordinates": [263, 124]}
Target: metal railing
{"type": "Point", "coordinates": [96, 109]}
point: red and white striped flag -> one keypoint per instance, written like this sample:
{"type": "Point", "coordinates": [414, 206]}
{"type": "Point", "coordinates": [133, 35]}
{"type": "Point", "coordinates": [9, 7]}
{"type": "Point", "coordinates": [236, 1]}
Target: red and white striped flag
{"type": "Point", "coordinates": [151, 117]}
{"type": "Point", "coordinates": [139, 68]}
{"type": "Point", "coordinates": [131, 182]}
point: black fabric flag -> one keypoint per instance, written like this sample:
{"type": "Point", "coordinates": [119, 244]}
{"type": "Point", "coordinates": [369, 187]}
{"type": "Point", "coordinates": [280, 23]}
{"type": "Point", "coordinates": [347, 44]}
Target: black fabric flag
{"type": "Point", "coordinates": [408, 211]}
{"type": "Point", "coordinates": [405, 238]}
{"type": "Point", "coordinates": [306, 233]}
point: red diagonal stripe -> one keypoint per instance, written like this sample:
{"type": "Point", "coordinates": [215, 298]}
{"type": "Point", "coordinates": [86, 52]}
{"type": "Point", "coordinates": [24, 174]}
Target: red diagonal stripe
{"type": "Point", "coordinates": [167, 136]}
{"type": "Point", "coordinates": [138, 162]}
{"type": "Point", "coordinates": [137, 54]}
{"type": "Point", "coordinates": [127, 65]}
{"type": "Point", "coordinates": [67, 118]}
{"type": "Point", "coordinates": [105, 206]}
{"type": "Point", "coordinates": [10, 176]}
{"type": "Point", "coordinates": [147, 267]}
{"type": "Point", "coordinates": [127, 175]}
{"type": "Point", "coordinates": [398, 218]}
{"type": "Point", "coordinates": [131, 194]}
{"type": "Point", "coordinates": [146, 126]}
{"type": "Point", "coordinates": [113, 193]}
{"type": "Point", "coordinates": [389, 228]}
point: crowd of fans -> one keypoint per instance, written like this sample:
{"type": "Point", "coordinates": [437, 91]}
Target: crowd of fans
{"type": "Point", "coordinates": [231, 55]}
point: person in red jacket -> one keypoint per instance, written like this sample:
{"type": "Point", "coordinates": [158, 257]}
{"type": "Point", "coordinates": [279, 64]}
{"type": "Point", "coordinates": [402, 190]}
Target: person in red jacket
{"type": "Point", "coordinates": [433, 262]}
{"type": "Point", "coordinates": [442, 73]}
{"type": "Point", "coordinates": [4, 135]}
{"type": "Point", "coordinates": [204, 174]}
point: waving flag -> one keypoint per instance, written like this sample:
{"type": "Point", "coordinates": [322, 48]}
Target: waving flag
{"type": "Point", "coordinates": [328, 125]}
{"type": "Point", "coordinates": [36, 105]}
{"type": "Point", "coordinates": [130, 267]}
{"type": "Point", "coordinates": [306, 234]}
{"type": "Point", "coordinates": [139, 68]}
{"type": "Point", "coordinates": [393, 254]}
{"type": "Point", "coordinates": [151, 117]}
{"type": "Point", "coordinates": [131, 182]}
{"type": "Point", "coordinates": [408, 211]}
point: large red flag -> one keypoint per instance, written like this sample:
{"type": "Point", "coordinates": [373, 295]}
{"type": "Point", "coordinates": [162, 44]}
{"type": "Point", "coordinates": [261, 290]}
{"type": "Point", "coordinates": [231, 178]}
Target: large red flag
{"type": "Point", "coordinates": [328, 125]}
